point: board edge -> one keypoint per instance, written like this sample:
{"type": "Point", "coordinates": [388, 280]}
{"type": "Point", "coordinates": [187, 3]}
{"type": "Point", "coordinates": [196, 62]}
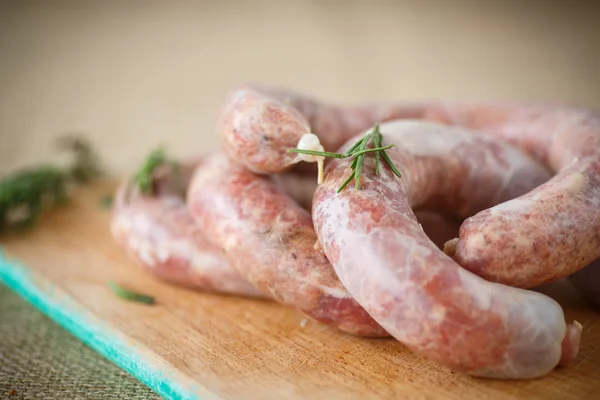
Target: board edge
{"type": "Point", "coordinates": [17, 278]}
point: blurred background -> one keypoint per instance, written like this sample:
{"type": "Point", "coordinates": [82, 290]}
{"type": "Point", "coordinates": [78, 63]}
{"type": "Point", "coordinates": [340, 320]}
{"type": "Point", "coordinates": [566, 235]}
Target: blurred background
{"type": "Point", "coordinates": [135, 74]}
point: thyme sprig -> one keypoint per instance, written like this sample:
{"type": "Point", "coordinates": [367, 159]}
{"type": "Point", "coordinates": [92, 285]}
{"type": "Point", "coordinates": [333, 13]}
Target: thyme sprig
{"type": "Point", "coordinates": [358, 151]}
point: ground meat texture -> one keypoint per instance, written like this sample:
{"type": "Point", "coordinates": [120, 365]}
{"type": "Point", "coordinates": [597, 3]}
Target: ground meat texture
{"type": "Point", "coordinates": [408, 285]}
{"type": "Point", "coordinates": [543, 236]}
{"type": "Point", "coordinates": [271, 241]}
{"type": "Point", "coordinates": [158, 233]}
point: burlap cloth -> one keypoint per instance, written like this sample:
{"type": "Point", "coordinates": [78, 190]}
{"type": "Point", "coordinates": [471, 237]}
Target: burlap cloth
{"type": "Point", "coordinates": [41, 360]}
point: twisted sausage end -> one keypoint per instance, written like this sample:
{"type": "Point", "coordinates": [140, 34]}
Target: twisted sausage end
{"type": "Point", "coordinates": [570, 344]}
{"type": "Point", "coordinates": [450, 247]}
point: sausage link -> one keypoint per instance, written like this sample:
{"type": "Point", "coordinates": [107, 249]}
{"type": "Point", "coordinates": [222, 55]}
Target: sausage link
{"type": "Point", "coordinates": [440, 228]}
{"type": "Point", "coordinates": [545, 235]}
{"type": "Point", "coordinates": [416, 292]}
{"type": "Point", "coordinates": [259, 123]}
{"type": "Point", "coordinates": [158, 233]}
{"type": "Point", "coordinates": [552, 231]}
{"type": "Point", "coordinates": [270, 240]}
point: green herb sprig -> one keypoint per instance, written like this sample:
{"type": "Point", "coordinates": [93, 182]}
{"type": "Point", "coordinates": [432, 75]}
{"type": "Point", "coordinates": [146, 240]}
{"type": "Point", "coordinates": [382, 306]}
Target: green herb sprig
{"type": "Point", "coordinates": [25, 194]}
{"type": "Point", "coordinates": [144, 178]}
{"type": "Point", "coordinates": [127, 294]}
{"type": "Point", "coordinates": [358, 151]}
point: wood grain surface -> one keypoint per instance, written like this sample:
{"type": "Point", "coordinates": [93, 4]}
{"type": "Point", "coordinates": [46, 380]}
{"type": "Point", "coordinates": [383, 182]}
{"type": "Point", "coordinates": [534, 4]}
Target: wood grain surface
{"type": "Point", "coordinates": [199, 345]}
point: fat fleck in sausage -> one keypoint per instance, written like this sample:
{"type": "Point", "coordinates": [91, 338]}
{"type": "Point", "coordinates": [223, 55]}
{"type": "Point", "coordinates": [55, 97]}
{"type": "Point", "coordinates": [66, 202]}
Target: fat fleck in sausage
{"type": "Point", "coordinates": [415, 291]}
{"type": "Point", "coordinates": [270, 239]}
{"type": "Point", "coordinates": [158, 232]}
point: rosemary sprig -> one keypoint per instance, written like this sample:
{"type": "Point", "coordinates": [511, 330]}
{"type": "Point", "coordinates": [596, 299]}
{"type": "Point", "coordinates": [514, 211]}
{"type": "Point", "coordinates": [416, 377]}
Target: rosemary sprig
{"type": "Point", "coordinates": [384, 155]}
{"type": "Point", "coordinates": [377, 143]}
{"type": "Point", "coordinates": [347, 181]}
{"type": "Point", "coordinates": [317, 153]}
{"type": "Point", "coordinates": [358, 161]}
{"type": "Point", "coordinates": [390, 164]}
{"type": "Point", "coordinates": [127, 294]}
{"type": "Point", "coordinates": [25, 194]}
{"type": "Point", "coordinates": [356, 145]}
{"type": "Point", "coordinates": [145, 178]}
{"type": "Point", "coordinates": [358, 151]}
{"type": "Point", "coordinates": [340, 155]}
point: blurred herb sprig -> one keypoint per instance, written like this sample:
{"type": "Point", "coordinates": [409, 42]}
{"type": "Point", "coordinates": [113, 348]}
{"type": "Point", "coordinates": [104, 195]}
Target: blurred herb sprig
{"type": "Point", "coordinates": [145, 177]}
{"type": "Point", "coordinates": [26, 193]}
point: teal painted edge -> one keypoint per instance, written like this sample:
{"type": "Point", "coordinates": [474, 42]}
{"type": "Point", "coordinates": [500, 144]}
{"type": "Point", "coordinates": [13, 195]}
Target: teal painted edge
{"type": "Point", "coordinates": [17, 277]}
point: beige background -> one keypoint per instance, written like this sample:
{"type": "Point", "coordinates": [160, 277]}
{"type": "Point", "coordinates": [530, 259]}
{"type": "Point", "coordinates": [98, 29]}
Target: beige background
{"type": "Point", "coordinates": [133, 74]}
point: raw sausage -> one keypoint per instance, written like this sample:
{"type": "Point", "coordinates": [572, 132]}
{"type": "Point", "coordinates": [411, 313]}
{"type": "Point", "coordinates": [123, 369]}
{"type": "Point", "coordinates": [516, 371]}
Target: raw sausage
{"type": "Point", "coordinates": [552, 231]}
{"type": "Point", "coordinates": [542, 236]}
{"type": "Point", "coordinates": [270, 239]}
{"type": "Point", "coordinates": [259, 123]}
{"type": "Point", "coordinates": [416, 292]}
{"type": "Point", "coordinates": [160, 235]}
{"type": "Point", "coordinates": [300, 186]}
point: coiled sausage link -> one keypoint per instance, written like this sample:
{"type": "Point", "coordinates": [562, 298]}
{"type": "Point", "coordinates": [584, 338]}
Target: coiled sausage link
{"type": "Point", "coordinates": [158, 233]}
{"type": "Point", "coordinates": [539, 237]}
{"type": "Point", "coordinates": [440, 227]}
{"type": "Point", "coordinates": [414, 290]}
{"type": "Point", "coordinates": [552, 231]}
{"type": "Point", "coordinates": [270, 239]}
{"type": "Point", "coordinates": [259, 123]}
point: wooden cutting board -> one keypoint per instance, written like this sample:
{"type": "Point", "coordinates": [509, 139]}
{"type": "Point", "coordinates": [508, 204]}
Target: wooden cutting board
{"type": "Point", "coordinates": [192, 345]}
